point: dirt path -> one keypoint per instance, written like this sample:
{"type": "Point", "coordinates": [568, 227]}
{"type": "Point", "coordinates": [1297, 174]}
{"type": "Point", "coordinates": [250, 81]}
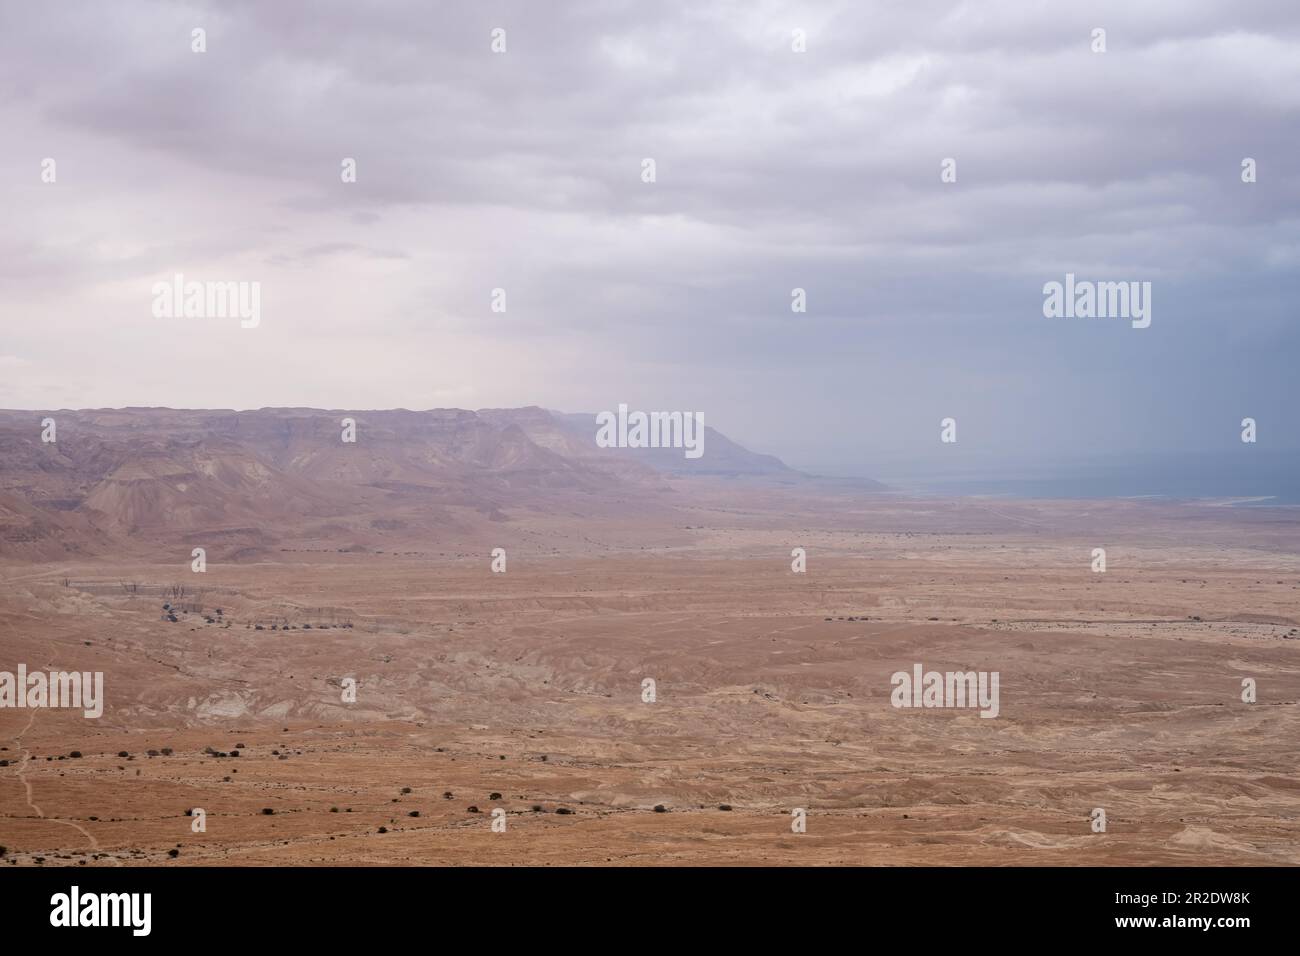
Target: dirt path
{"type": "Point", "coordinates": [31, 801]}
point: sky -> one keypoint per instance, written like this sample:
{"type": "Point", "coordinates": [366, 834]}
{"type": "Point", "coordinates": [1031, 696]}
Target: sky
{"type": "Point", "coordinates": [795, 146]}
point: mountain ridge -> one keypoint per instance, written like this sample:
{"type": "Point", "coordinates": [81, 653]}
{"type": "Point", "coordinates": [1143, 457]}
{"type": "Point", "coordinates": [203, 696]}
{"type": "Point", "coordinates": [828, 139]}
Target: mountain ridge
{"type": "Point", "coordinates": [282, 474]}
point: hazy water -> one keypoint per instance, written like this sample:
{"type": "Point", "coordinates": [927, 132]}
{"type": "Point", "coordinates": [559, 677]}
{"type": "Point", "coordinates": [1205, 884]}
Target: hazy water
{"type": "Point", "coordinates": [1271, 475]}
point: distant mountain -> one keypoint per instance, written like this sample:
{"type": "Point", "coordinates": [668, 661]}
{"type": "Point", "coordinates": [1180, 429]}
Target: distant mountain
{"type": "Point", "coordinates": [252, 479]}
{"type": "Point", "coordinates": [721, 456]}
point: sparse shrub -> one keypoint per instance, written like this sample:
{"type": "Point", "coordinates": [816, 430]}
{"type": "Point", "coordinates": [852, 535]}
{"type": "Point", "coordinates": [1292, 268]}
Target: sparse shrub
{"type": "Point", "coordinates": [414, 813]}
{"type": "Point", "coordinates": [123, 753]}
{"type": "Point", "coordinates": [563, 811]}
{"type": "Point", "coordinates": [494, 795]}
{"type": "Point", "coordinates": [75, 755]}
{"type": "Point", "coordinates": [383, 829]}
{"type": "Point", "coordinates": [660, 808]}
{"type": "Point", "coordinates": [267, 811]}
{"type": "Point", "coordinates": [472, 809]}
{"type": "Point", "coordinates": [173, 853]}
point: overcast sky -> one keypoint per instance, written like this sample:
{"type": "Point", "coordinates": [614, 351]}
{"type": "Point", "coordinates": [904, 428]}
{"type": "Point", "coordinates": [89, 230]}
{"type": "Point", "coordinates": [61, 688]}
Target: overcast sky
{"type": "Point", "coordinates": [775, 169]}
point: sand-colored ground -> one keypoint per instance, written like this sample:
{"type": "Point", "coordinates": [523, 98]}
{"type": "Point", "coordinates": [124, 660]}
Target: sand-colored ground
{"type": "Point", "coordinates": [1119, 691]}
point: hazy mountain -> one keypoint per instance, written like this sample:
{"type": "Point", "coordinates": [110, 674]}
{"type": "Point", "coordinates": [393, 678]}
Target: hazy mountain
{"type": "Point", "coordinates": [721, 456]}
{"type": "Point", "coordinates": [252, 478]}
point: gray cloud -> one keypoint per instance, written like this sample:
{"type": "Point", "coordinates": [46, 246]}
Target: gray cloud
{"type": "Point", "coordinates": [775, 170]}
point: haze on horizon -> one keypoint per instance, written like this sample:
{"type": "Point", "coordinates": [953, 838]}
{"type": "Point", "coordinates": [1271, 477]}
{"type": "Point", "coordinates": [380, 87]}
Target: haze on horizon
{"type": "Point", "coordinates": [775, 170]}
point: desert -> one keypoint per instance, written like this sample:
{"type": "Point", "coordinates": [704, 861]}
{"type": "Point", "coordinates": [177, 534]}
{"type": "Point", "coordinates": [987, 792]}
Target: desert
{"type": "Point", "coordinates": [349, 682]}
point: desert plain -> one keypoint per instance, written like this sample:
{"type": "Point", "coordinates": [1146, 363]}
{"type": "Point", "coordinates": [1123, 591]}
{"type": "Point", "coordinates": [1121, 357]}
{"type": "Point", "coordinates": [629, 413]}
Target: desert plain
{"type": "Point", "coordinates": [524, 691]}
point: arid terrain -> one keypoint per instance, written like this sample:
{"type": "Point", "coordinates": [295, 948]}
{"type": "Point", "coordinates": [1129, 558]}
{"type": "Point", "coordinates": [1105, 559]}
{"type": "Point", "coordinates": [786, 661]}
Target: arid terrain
{"type": "Point", "coordinates": [523, 690]}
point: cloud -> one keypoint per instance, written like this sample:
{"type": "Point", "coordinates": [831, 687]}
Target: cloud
{"type": "Point", "coordinates": [775, 170]}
